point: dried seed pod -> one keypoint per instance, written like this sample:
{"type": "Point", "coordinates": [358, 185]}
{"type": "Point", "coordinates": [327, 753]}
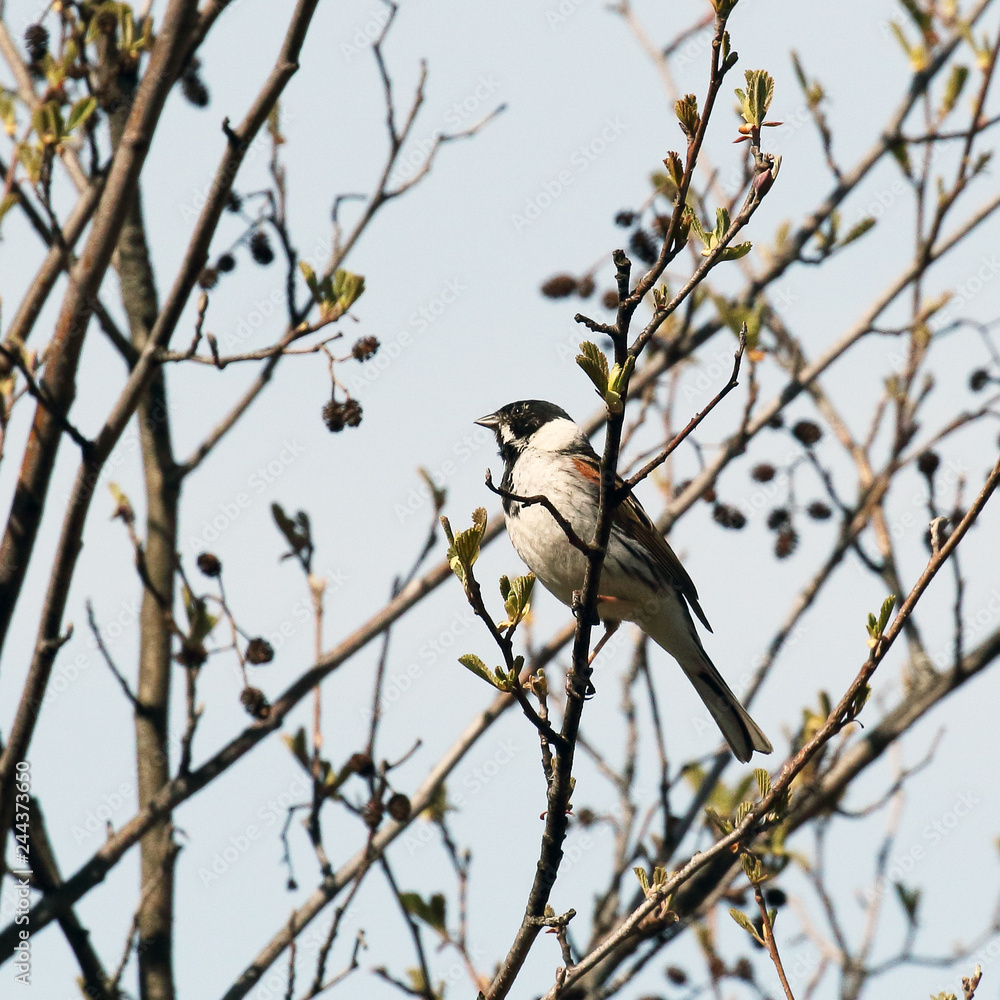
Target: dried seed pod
{"type": "Point", "coordinates": [729, 516]}
{"type": "Point", "coordinates": [259, 651]}
{"type": "Point", "coordinates": [260, 248]}
{"type": "Point", "coordinates": [818, 510]}
{"type": "Point", "coordinates": [364, 348]}
{"type": "Point", "coordinates": [399, 807]}
{"type": "Point", "coordinates": [786, 542]}
{"type": "Point", "coordinates": [361, 763]}
{"type": "Point", "coordinates": [192, 654]}
{"type": "Point", "coordinates": [778, 518]}
{"type": "Point", "coordinates": [807, 432]}
{"type": "Point", "coordinates": [255, 702]}
{"type": "Point", "coordinates": [928, 463]}
{"type": "Point", "coordinates": [559, 286]}
{"type": "Point", "coordinates": [209, 564]}
{"type": "Point", "coordinates": [192, 85]}
{"type": "Point", "coordinates": [36, 40]}
{"type": "Point", "coordinates": [372, 813]}
{"type": "Point", "coordinates": [352, 413]}
{"type": "Point", "coordinates": [643, 246]}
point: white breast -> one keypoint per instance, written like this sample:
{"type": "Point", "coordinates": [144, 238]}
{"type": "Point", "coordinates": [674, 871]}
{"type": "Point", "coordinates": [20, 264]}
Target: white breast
{"type": "Point", "coordinates": [538, 539]}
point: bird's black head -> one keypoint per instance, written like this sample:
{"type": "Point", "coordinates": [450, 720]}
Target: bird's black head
{"type": "Point", "coordinates": [517, 423]}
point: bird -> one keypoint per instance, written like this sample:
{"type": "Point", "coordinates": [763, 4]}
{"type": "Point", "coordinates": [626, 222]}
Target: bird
{"type": "Point", "coordinates": [546, 454]}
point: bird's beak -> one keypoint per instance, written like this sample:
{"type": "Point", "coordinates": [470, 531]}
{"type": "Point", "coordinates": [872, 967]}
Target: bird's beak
{"type": "Point", "coordinates": [491, 420]}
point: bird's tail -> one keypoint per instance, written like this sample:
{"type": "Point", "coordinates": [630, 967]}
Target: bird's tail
{"type": "Point", "coordinates": [742, 734]}
{"type": "Point", "coordinates": [674, 631]}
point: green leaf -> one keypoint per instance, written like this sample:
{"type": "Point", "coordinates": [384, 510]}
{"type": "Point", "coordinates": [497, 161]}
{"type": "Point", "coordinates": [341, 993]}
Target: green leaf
{"type": "Point", "coordinates": [498, 679]}
{"type": "Point", "coordinates": [595, 363]}
{"type": "Point", "coordinates": [640, 874]}
{"type": "Point", "coordinates": [126, 27]}
{"type": "Point", "coordinates": [80, 112]}
{"type": "Point", "coordinates": [742, 811]}
{"type": "Point", "coordinates": [756, 99]}
{"type": "Point", "coordinates": [310, 276]}
{"type": "Point", "coordinates": [437, 805]}
{"type": "Point", "coordinates": [752, 868]}
{"type": "Point", "coordinates": [516, 596]}
{"type": "Point", "coordinates": [431, 912]}
{"type": "Point", "coordinates": [8, 112]}
{"type": "Point", "coordinates": [735, 252]}
{"type": "Point", "coordinates": [686, 110]}
{"type": "Point", "coordinates": [858, 702]}
{"type": "Point", "coordinates": [763, 781]}
{"type": "Point", "coordinates": [691, 218]}
{"type": "Point", "coordinates": [674, 167]}
{"type": "Point", "coordinates": [953, 88]}
{"type": "Point", "coordinates": [909, 899]}
{"type": "Point", "coordinates": [876, 626]}
{"type": "Point", "coordinates": [200, 622]}
{"type": "Point", "coordinates": [617, 380]}
{"type": "Point", "coordinates": [858, 230]}
{"type": "Point", "coordinates": [883, 616]}
{"type": "Point", "coordinates": [981, 162]}
{"type": "Point", "coordinates": [723, 8]}
{"type": "Point", "coordinates": [901, 154]}
{"type": "Point", "coordinates": [48, 123]}
{"type": "Point", "coordinates": [721, 224]}
{"type": "Point", "coordinates": [419, 987]}
{"type": "Point", "coordinates": [917, 53]}
{"type": "Point", "coordinates": [744, 921]}
{"type": "Point", "coordinates": [297, 745]}
{"type": "Point", "coordinates": [347, 288]}
{"type": "Point", "coordinates": [8, 202]}
{"type": "Point", "coordinates": [123, 506]}
{"type": "Point", "coordinates": [31, 159]}
{"type": "Point", "coordinates": [464, 549]}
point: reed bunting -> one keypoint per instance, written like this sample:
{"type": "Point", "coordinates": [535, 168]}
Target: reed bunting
{"type": "Point", "coordinates": [546, 453]}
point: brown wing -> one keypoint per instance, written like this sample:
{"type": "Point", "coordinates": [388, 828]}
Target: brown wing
{"type": "Point", "coordinates": [634, 523]}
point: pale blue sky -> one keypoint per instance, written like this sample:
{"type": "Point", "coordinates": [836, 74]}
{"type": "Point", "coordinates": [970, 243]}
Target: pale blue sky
{"type": "Point", "coordinates": [452, 274]}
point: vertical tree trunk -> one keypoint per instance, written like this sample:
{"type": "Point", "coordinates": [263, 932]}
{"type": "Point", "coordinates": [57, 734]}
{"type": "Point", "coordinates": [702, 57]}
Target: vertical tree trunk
{"type": "Point", "coordinates": [158, 849]}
